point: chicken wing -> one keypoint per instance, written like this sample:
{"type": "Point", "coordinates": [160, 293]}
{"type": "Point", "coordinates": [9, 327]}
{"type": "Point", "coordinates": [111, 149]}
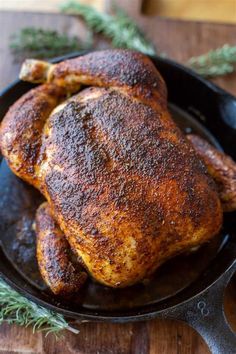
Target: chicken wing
{"type": "Point", "coordinates": [221, 167]}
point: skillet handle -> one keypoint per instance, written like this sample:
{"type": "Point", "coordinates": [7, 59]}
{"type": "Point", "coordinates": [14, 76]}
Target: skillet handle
{"type": "Point", "coordinates": [205, 313]}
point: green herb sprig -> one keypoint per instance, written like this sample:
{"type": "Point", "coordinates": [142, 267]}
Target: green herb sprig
{"type": "Point", "coordinates": [123, 32]}
{"type": "Point", "coordinates": [15, 308]}
{"type": "Point", "coordinates": [220, 61]}
{"type": "Point", "coordinates": [41, 43]}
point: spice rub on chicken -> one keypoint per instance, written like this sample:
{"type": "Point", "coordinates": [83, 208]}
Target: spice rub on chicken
{"type": "Point", "coordinates": [123, 185]}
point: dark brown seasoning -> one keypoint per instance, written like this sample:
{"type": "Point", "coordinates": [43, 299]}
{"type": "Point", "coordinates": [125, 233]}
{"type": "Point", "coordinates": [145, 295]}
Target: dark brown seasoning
{"type": "Point", "coordinates": [54, 259]}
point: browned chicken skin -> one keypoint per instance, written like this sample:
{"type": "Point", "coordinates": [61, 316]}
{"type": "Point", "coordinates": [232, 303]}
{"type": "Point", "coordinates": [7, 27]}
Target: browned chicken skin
{"type": "Point", "coordinates": [122, 182]}
{"type": "Point", "coordinates": [57, 268]}
{"type": "Point", "coordinates": [221, 167]}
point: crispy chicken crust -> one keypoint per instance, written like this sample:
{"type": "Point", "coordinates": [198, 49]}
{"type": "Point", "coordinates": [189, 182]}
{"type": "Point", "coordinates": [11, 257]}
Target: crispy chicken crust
{"type": "Point", "coordinates": [221, 167]}
{"type": "Point", "coordinates": [53, 254]}
{"type": "Point", "coordinates": [122, 182]}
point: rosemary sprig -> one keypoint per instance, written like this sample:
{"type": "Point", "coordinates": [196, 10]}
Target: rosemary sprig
{"type": "Point", "coordinates": [41, 43]}
{"type": "Point", "coordinates": [15, 308]}
{"type": "Point", "coordinates": [123, 32]}
{"type": "Point", "coordinates": [217, 62]}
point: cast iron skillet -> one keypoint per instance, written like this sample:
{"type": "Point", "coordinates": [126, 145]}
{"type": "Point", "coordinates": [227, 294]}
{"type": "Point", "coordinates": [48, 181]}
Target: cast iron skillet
{"type": "Point", "coordinates": [188, 288]}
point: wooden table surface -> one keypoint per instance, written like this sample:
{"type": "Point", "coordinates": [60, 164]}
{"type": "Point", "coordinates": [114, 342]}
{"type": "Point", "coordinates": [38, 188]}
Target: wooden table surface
{"type": "Point", "coordinates": [208, 10]}
{"type": "Point", "coordinates": [179, 40]}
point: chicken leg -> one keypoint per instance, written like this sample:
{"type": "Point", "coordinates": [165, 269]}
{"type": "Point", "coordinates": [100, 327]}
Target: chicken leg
{"type": "Point", "coordinates": [222, 169]}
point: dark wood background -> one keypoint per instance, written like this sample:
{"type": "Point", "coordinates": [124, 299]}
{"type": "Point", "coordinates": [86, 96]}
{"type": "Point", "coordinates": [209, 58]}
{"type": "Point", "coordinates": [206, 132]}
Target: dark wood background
{"type": "Point", "coordinates": [179, 40]}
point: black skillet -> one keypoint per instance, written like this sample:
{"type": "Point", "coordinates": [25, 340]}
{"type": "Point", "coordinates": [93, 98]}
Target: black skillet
{"type": "Point", "coordinates": [188, 288]}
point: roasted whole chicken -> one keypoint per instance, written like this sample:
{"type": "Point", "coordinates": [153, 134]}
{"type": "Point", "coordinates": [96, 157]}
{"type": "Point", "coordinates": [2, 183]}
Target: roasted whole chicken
{"type": "Point", "coordinates": [125, 189]}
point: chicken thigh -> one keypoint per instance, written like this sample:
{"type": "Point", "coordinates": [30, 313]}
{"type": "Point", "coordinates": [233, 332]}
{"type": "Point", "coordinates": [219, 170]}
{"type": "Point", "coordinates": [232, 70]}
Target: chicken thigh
{"type": "Point", "coordinates": [123, 184]}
